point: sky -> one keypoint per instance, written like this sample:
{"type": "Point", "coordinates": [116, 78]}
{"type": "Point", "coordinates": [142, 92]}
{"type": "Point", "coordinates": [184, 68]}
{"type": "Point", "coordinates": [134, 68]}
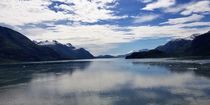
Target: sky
{"type": "Point", "coordinates": [107, 26]}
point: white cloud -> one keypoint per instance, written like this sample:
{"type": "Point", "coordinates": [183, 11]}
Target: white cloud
{"type": "Point", "coordinates": [194, 24]}
{"type": "Point", "coordinates": [77, 34]}
{"type": "Point", "coordinates": [176, 9]}
{"type": "Point", "coordinates": [96, 38]}
{"type": "Point", "coordinates": [22, 12]}
{"type": "Point", "coordinates": [146, 1]}
{"type": "Point", "coordinates": [202, 6]}
{"type": "Point", "coordinates": [165, 31]}
{"type": "Point", "coordinates": [159, 4]}
{"type": "Point", "coordinates": [192, 18]}
{"type": "Point", "coordinates": [89, 11]}
{"type": "Point", "coordinates": [18, 13]}
{"type": "Point", "coordinates": [145, 18]}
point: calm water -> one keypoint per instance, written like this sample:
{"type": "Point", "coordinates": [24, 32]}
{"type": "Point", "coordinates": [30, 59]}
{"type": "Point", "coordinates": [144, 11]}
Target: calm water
{"type": "Point", "coordinates": [106, 82]}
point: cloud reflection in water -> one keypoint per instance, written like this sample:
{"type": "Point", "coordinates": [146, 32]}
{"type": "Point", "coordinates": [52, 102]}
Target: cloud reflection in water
{"type": "Point", "coordinates": [112, 83]}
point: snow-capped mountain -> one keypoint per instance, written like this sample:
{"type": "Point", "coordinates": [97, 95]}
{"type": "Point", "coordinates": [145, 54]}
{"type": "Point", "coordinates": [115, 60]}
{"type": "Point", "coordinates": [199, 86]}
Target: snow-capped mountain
{"type": "Point", "coordinates": [66, 51]}
{"type": "Point", "coordinates": [14, 46]}
{"type": "Point", "coordinates": [195, 45]}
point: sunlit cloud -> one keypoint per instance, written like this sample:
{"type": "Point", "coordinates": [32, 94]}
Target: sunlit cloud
{"type": "Point", "coordinates": [201, 6]}
{"type": "Point", "coordinates": [145, 18]}
{"type": "Point", "coordinates": [160, 4]}
{"type": "Point", "coordinates": [192, 18]}
{"type": "Point", "coordinates": [27, 11]}
{"type": "Point", "coordinates": [146, 1]}
{"type": "Point", "coordinates": [103, 22]}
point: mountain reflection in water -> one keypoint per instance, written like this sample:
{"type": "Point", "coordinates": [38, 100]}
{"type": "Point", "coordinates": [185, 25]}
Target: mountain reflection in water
{"type": "Point", "coordinates": [105, 82]}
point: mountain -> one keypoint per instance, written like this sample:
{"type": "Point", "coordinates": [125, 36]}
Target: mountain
{"type": "Point", "coordinates": [105, 56]}
{"type": "Point", "coordinates": [15, 46]}
{"type": "Point", "coordinates": [147, 54]}
{"type": "Point", "coordinates": [177, 47]}
{"type": "Point", "coordinates": [196, 45]}
{"type": "Point", "coordinates": [66, 51]}
{"type": "Point", "coordinates": [201, 45]}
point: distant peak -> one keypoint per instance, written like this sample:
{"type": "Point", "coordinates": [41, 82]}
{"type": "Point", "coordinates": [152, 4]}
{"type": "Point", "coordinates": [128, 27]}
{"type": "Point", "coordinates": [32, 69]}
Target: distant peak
{"type": "Point", "coordinates": [191, 37]}
{"type": "Point", "coordinates": [180, 39]}
{"type": "Point", "coordinates": [47, 42]}
{"type": "Point", "coordinates": [55, 41]}
{"type": "Point", "coordinates": [143, 50]}
{"type": "Point", "coordinates": [69, 44]}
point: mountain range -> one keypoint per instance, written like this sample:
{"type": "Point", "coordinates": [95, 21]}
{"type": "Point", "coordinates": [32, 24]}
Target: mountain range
{"type": "Point", "coordinates": [195, 46]}
{"type": "Point", "coordinates": [14, 46]}
{"type": "Point", "coordinates": [66, 51]}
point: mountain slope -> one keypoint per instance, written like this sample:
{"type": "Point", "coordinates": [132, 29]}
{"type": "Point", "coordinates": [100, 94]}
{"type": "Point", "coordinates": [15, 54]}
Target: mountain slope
{"type": "Point", "coordinates": [147, 54]}
{"type": "Point", "coordinates": [177, 47]}
{"type": "Point", "coordinates": [201, 45]}
{"type": "Point", "coordinates": [198, 45]}
{"type": "Point", "coordinates": [67, 51]}
{"type": "Point", "coordinates": [15, 46]}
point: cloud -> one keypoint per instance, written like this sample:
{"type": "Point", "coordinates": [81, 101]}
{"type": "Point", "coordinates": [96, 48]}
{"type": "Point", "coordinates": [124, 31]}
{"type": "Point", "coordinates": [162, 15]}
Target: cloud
{"type": "Point", "coordinates": [94, 37]}
{"type": "Point", "coordinates": [176, 9]}
{"type": "Point", "coordinates": [77, 21]}
{"type": "Point", "coordinates": [78, 34]}
{"type": "Point", "coordinates": [88, 11]}
{"type": "Point", "coordinates": [159, 4]}
{"type": "Point", "coordinates": [146, 1]}
{"type": "Point", "coordinates": [192, 18]}
{"type": "Point", "coordinates": [23, 12]}
{"type": "Point", "coordinates": [165, 31]}
{"type": "Point", "coordinates": [145, 18]}
{"type": "Point", "coordinates": [197, 7]}
{"type": "Point", "coordinates": [196, 24]}
{"type": "Point", "coordinates": [202, 7]}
